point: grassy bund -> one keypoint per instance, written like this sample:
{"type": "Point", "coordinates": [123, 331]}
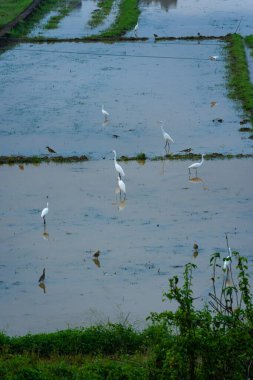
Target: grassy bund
{"type": "Point", "coordinates": [212, 343]}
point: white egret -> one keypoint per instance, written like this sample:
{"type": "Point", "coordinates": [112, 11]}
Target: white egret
{"type": "Point", "coordinates": [122, 186]}
{"type": "Point", "coordinates": [105, 113]}
{"type": "Point", "coordinates": [136, 28]}
{"type": "Point", "coordinates": [117, 166]}
{"type": "Point", "coordinates": [196, 165]}
{"type": "Point", "coordinates": [227, 260]}
{"type": "Point", "coordinates": [45, 212]}
{"type": "Point", "coordinates": [42, 277]}
{"type": "Point", "coordinates": [166, 137]}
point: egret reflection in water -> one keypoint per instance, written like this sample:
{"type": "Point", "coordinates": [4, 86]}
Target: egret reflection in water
{"type": "Point", "coordinates": [45, 234]}
{"type": "Point", "coordinates": [198, 180]}
{"type": "Point", "coordinates": [165, 4]}
{"type": "Point", "coordinates": [122, 204]}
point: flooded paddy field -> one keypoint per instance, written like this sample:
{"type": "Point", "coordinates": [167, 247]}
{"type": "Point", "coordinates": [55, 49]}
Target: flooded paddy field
{"type": "Point", "coordinates": [53, 94]}
{"type": "Point", "coordinates": [143, 240]}
{"type": "Point", "coordinates": [188, 18]}
{"type": "Point", "coordinates": [162, 17]}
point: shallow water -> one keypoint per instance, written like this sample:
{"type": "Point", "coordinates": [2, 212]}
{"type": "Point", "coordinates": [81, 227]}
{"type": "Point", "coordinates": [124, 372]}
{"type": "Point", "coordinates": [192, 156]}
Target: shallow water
{"type": "Point", "coordinates": [142, 242]}
{"type": "Point", "coordinates": [188, 18]}
{"type": "Point", "coordinates": [76, 24]}
{"type": "Point", "coordinates": [52, 95]}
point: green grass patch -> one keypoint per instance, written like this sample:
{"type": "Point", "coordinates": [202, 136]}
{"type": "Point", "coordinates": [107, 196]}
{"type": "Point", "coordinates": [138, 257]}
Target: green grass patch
{"type": "Point", "coordinates": [64, 8]}
{"type": "Point", "coordinates": [249, 42]}
{"type": "Point", "coordinates": [126, 19]}
{"type": "Point", "coordinates": [10, 9]}
{"type": "Point", "coordinates": [240, 86]}
{"type": "Point", "coordinates": [98, 16]}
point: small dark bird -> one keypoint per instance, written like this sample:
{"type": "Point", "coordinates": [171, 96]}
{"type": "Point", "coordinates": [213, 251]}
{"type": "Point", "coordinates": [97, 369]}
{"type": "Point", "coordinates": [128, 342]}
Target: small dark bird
{"type": "Point", "coordinates": [42, 277]}
{"type": "Point", "coordinates": [155, 35]}
{"type": "Point", "coordinates": [50, 149]}
{"type": "Point", "coordinates": [195, 246]}
{"type": "Point", "coordinates": [96, 254]}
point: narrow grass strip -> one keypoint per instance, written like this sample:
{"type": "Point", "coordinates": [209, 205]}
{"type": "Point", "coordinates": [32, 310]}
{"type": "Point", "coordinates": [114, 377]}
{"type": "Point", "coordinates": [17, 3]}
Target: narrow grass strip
{"type": "Point", "coordinates": [126, 19]}
{"type": "Point", "coordinates": [63, 10]}
{"type": "Point", "coordinates": [240, 87]}
{"type": "Point", "coordinates": [98, 17]}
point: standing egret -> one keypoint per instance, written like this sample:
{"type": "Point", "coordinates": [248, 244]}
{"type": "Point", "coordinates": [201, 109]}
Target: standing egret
{"type": "Point", "coordinates": [196, 165]}
{"type": "Point", "coordinates": [45, 212]}
{"type": "Point", "coordinates": [105, 113]}
{"type": "Point", "coordinates": [167, 138]}
{"type": "Point", "coordinates": [117, 166]}
{"type": "Point", "coordinates": [136, 28]}
{"type": "Point", "coordinates": [122, 186]}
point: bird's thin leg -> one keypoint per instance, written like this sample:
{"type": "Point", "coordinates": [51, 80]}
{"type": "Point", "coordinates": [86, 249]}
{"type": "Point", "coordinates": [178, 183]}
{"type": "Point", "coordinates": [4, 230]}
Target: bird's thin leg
{"type": "Point", "coordinates": [44, 220]}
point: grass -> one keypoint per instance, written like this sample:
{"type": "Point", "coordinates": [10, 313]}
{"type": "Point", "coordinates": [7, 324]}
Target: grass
{"type": "Point", "coordinates": [11, 9]}
{"type": "Point", "coordinates": [104, 8]}
{"type": "Point", "coordinates": [240, 86]}
{"type": "Point", "coordinates": [140, 157]}
{"type": "Point", "coordinates": [126, 19]}
{"type": "Point", "coordinates": [64, 8]}
{"type": "Point", "coordinates": [24, 27]}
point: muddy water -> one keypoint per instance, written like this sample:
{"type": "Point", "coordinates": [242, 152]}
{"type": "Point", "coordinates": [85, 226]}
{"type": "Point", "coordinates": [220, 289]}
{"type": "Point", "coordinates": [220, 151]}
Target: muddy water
{"type": "Point", "coordinates": [142, 241]}
{"type": "Point", "coordinates": [52, 95]}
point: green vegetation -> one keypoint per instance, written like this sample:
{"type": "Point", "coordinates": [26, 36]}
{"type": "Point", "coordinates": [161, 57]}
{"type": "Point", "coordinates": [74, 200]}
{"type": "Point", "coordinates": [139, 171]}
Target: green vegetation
{"type": "Point", "coordinates": [208, 344]}
{"type": "Point", "coordinates": [249, 42]}
{"type": "Point", "coordinates": [141, 157]}
{"type": "Point", "coordinates": [63, 10]}
{"type": "Point", "coordinates": [11, 9]}
{"type": "Point", "coordinates": [126, 19]}
{"type": "Point", "coordinates": [24, 27]}
{"type": "Point", "coordinates": [99, 15]}
{"type": "Point", "coordinates": [239, 82]}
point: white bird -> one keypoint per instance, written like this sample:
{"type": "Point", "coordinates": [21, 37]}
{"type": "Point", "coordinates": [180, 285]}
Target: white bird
{"type": "Point", "coordinates": [227, 260]}
{"type": "Point", "coordinates": [167, 138]}
{"type": "Point", "coordinates": [117, 166]}
{"type": "Point", "coordinates": [136, 28]}
{"type": "Point", "coordinates": [122, 186]}
{"type": "Point", "coordinates": [45, 212]}
{"type": "Point", "coordinates": [105, 113]}
{"type": "Point", "coordinates": [196, 165]}
{"type": "Point", "coordinates": [213, 57]}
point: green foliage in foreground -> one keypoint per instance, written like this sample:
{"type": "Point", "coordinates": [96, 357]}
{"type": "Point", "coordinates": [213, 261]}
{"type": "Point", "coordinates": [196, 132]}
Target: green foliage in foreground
{"type": "Point", "coordinates": [239, 82]}
{"type": "Point", "coordinates": [10, 9]}
{"type": "Point", "coordinates": [209, 344]}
